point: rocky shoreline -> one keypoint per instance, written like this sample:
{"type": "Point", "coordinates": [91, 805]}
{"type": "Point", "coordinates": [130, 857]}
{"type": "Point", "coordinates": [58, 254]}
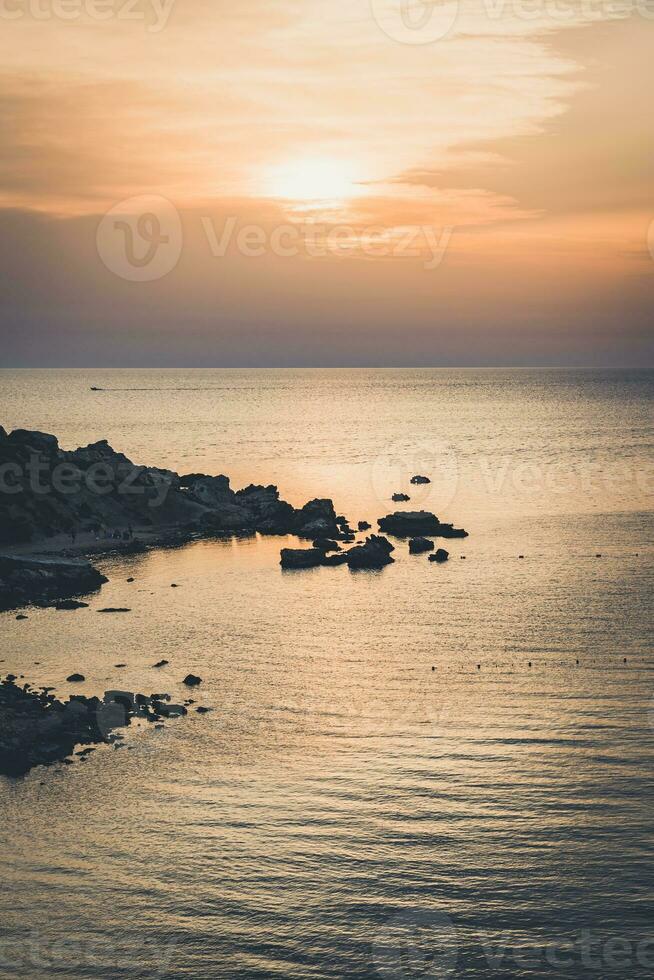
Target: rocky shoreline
{"type": "Point", "coordinates": [98, 494]}
{"type": "Point", "coordinates": [36, 729]}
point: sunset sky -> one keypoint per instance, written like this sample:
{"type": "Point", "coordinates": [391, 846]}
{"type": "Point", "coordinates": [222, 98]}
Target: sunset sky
{"type": "Point", "coordinates": [338, 183]}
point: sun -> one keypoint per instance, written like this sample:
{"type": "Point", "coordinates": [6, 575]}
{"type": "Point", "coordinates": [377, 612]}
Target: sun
{"type": "Point", "coordinates": [312, 179]}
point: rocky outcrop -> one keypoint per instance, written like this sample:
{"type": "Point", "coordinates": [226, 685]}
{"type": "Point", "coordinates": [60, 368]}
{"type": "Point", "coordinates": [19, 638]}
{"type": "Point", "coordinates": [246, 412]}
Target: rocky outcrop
{"type": "Point", "coordinates": [40, 581]}
{"type": "Point", "coordinates": [46, 491]}
{"type": "Point", "coordinates": [36, 729]}
{"type": "Point", "coordinates": [417, 546]}
{"type": "Point", "coordinates": [317, 519]}
{"type": "Point", "coordinates": [301, 557]}
{"type": "Point", "coordinates": [440, 555]}
{"type": "Point", "coordinates": [404, 524]}
{"type": "Point", "coordinates": [375, 553]}
{"type": "Point", "coordinates": [399, 498]}
{"type": "Point", "coordinates": [420, 479]}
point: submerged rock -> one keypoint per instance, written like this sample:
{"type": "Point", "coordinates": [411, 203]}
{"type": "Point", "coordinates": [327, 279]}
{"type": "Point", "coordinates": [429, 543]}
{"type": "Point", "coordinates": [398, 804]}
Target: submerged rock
{"type": "Point", "coordinates": [76, 678]}
{"type": "Point", "coordinates": [71, 604]}
{"type": "Point", "coordinates": [417, 546]}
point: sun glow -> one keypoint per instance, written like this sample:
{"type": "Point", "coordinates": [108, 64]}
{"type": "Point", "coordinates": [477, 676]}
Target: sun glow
{"type": "Point", "coordinates": [313, 179]}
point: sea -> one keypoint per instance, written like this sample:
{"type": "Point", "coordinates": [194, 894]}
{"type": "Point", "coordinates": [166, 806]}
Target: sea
{"type": "Point", "coordinates": [428, 771]}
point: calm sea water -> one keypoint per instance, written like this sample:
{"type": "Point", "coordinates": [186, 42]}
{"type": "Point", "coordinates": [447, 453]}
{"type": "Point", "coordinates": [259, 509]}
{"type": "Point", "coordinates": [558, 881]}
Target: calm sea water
{"type": "Point", "coordinates": [346, 810]}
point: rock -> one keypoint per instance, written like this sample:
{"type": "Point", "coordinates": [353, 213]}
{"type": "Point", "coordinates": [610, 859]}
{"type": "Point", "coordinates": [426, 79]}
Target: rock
{"type": "Point", "coordinates": [440, 555]}
{"type": "Point", "coordinates": [36, 729]}
{"type": "Point", "coordinates": [418, 523]}
{"type": "Point", "coordinates": [339, 558]}
{"type": "Point", "coordinates": [420, 479]}
{"type": "Point", "coordinates": [21, 616]}
{"type": "Point", "coordinates": [130, 580]}
{"type": "Point", "coordinates": [316, 519]}
{"type": "Point", "coordinates": [160, 663]}
{"type": "Point", "coordinates": [364, 526]}
{"type": "Point", "coordinates": [174, 508]}
{"type": "Point", "coordinates": [324, 544]}
{"type": "Point", "coordinates": [301, 557]}
{"type": "Point", "coordinates": [39, 580]}
{"type": "Point", "coordinates": [375, 553]}
{"type": "Point", "coordinates": [192, 680]}
{"type": "Point", "coordinates": [419, 545]}
{"type": "Point", "coordinates": [76, 678]}
{"type": "Point", "coordinates": [120, 665]}
{"type": "Point", "coordinates": [71, 604]}
{"type": "Point", "coordinates": [400, 497]}
{"type": "Point", "coordinates": [201, 710]}
{"type": "Point", "coordinates": [115, 609]}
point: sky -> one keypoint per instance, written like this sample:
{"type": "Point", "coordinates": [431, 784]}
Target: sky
{"type": "Point", "coordinates": [311, 183]}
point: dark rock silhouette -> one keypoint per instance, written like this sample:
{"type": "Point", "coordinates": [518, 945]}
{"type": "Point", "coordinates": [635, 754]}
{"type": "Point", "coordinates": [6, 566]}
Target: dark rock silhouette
{"type": "Point", "coordinates": [39, 580]}
{"type": "Point", "coordinates": [375, 553]}
{"type": "Point", "coordinates": [364, 526]}
{"type": "Point", "coordinates": [406, 524]}
{"type": "Point", "coordinates": [339, 558]}
{"type": "Point", "coordinates": [108, 495]}
{"type": "Point", "coordinates": [417, 546]}
{"type": "Point", "coordinates": [301, 557]}
{"type": "Point", "coordinates": [36, 729]}
{"type": "Point", "coordinates": [76, 678]}
{"type": "Point", "coordinates": [399, 498]}
{"type": "Point", "coordinates": [324, 544]}
{"type": "Point", "coordinates": [192, 680]}
{"type": "Point", "coordinates": [440, 555]}
{"type": "Point", "coordinates": [420, 479]}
